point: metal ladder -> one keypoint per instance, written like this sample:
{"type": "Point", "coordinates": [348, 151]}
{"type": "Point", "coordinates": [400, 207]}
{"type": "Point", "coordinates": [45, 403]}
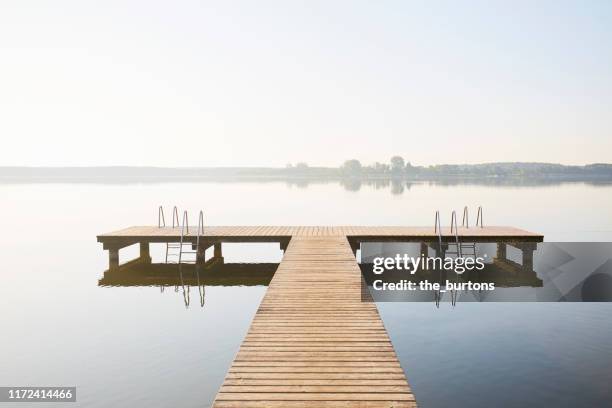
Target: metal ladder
{"type": "Point", "coordinates": [462, 249]}
{"type": "Point", "coordinates": [176, 250]}
{"type": "Point", "coordinates": [466, 249]}
{"type": "Point", "coordinates": [175, 224]}
{"type": "Point", "coordinates": [161, 223]}
{"type": "Point", "coordinates": [161, 219]}
{"type": "Point", "coordinates": [454, 294]}
{"type": "Point", "coordinates": [438, 229]}
{"type": "Point", "coordinates": [200, 232]}
{"type": "Point", "coordinates": [454, 230]}
{"type": "Point", "coordinates": [465, 221]}
{"type": "Point", "coordinates": [469, 249]}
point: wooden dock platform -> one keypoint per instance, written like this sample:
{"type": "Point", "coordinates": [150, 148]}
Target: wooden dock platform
{"type": "Point", "coordinates": [277, 233]}
{"type": "Point", "coordinates": [314, 342]}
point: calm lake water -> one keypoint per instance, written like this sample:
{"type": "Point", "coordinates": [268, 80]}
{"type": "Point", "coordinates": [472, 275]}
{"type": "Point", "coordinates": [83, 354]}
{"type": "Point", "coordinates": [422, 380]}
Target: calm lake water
{"type": "Point", "coordinates": [129, 346]}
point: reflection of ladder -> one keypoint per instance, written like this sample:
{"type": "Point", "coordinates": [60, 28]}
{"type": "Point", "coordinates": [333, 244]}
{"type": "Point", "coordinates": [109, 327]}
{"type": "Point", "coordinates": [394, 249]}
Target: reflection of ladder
{"type": "Point", "coordinates": [187, 288]}
{"type": "Point", "coordinates": [437, 294]}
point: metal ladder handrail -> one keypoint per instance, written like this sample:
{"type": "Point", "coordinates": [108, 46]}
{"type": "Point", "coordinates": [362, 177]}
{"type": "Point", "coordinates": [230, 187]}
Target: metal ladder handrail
{"type": "Point", "coordinates": [175, 224]}
{"type": "Point", "coordinates": [200, 228]}
{"type": "Point", "coordinates": [438, 228]}
{"type": "Point", "coordinates": [175, 217]}
{"type": "Point", "coordinates": [465, 221]}
{"type": "Point", "coordinates": [161, 220]}
{"type": "Point", "coordinates": [454, 293]}
{"type": "Point", "coordinates": [479, 216]}
{"type": "Point", "coordinates": [184, 227]}
{"type": "Point", "coordinates": [454, 228]}
{"type": "Point", "coordinates": [453, 222]}
{"type": "Point", "coordinates": [185, 224]}
{"type": "Point", "coordinates": [201, 288]}
{"type": "Point", "coordinates": [185, 231]}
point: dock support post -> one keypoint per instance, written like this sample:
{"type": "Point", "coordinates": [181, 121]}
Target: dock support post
{"type": "Point", "coordinates": [527, 249]}
{"type": "Point", "coordinates": [145, 253]}
{"type": "Point", "coordinates": [200, 254]}
{"type": "Point", "coordinates": [113, 258]}
{"type": "Point", "coordinates": [424, 249]}
{"type": "Point", "coordinates": [218, 253]}
{"type": "Point", "coordinates": [501, 251]}
{"type": "Point", "coordinates": [441, 250]}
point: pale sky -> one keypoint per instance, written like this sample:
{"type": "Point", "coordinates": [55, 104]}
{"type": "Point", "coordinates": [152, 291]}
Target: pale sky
{"type": "Point", "coordinates": [197, 83]}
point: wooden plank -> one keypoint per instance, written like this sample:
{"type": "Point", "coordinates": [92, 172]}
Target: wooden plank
{"type": "Point", "coordinates": [319, 376]}
{"type": "Point", "coordinates": [316, 381]}
{"type": "Point", "coordinates": [333, 368]}
{"type": "Point", "coordinates": [318, 388]}
{"type": "Point", "coordinates": [319, 404]}
{"type": "Point", "coordinates": [311, 396]}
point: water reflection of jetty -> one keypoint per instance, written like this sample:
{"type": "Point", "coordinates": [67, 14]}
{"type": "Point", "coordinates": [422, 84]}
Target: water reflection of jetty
{"type": "Point", "coordinates": [496, 271]}
{"type": "Point", "coordinates": [161, 274]}
{"type": "Point", "coordinates": [503, 272]}
{"type": "Point", "coordinates": [182, 277]}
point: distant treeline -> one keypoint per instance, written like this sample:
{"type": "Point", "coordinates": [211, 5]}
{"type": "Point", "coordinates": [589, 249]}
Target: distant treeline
{"type": "Point", "coordinates": [396, 168]}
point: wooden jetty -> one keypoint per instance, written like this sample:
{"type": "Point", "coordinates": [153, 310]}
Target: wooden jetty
{"type": "Point", "coordinates": [314, 341]}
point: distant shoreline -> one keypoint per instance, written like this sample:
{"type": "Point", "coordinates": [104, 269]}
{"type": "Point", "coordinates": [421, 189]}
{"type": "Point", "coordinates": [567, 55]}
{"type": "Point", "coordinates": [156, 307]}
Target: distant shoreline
{"type": "Point", "coordinates": [490, 173]}
{"type": "Point", "coordinates": [397, 168]}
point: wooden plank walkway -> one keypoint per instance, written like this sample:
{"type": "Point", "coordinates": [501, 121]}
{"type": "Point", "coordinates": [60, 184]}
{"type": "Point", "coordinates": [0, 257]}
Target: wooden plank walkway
{"type": "Point", "coordinates": [313, 341]}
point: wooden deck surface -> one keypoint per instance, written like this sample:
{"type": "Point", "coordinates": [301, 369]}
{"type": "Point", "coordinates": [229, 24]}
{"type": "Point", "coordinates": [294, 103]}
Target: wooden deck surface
{"type": "Point", "coordinates": [152, 233]}
{"type": "Point", "coordinates": [313, 341]}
